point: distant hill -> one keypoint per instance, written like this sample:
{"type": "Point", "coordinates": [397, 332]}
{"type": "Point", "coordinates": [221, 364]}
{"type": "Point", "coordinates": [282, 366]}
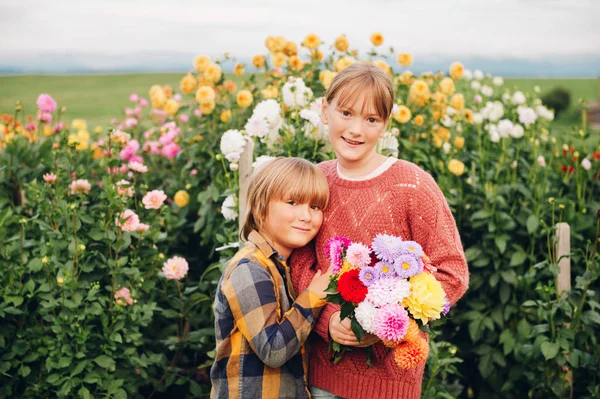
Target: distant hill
{"type": "Point", "coordinates": [582, 66]}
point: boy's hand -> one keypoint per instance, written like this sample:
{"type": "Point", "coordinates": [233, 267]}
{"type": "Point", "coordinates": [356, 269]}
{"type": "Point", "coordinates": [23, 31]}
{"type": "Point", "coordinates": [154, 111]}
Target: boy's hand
{"type": "Point", "coordinates": [341, 333]}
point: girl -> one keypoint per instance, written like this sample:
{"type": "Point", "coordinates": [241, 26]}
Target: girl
{"type": "Point", "coordinates": [372, 194]}
{"type": "Point", "coordinates": [261, 325]}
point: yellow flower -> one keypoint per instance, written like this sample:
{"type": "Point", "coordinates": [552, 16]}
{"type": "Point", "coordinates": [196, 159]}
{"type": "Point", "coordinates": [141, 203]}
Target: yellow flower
{"type": "Point", "coordinates": [258, 61]}
{"type": "Point", "coordinates": [207, 108]}
{"type": "Point", "coordinates": [168, 91]}
{"type": "Point", "coordinates": [346, 267]}
{"type": "Point", "coordinates": [98, 153]}
{"type": "Point", "coordinates": [419, 120]}
{"type": "Point", "coordinates": [405, 59]}
{"type": "Point", "coordinates": [439, 100]}
{"type": "Point", "coordinates": [188, 84]}
{"type": "Point", "coordinates": [213, 73]}
{"type": "Point", "coordinates": [419, 93]}
{"type": "Point", "coordinates": [182, 198]}
{"type": "Point", "coordinates": [238, 69]}
{"type": "Point", "coordinates": [406, 78]}
{"type": "Point", "coordinates": [158, 97]}
{"type": "Point", "coordinates": [290, 49]}
{"type": "Point", "coordinates": [457, 101]}
{"type": "Point", "coordinates": [201, 62]}
{"type": "Point", "coordinates": [318, 55]}
{"type": "Point", "coordinates": [296, 63]}
{"type": "Point", "coordinates": [47, 130]}
{"type": "Point", "coordinates": [171, 107]}
{"type": "Point", "coordinates": [98, 129]}
{"type": "Point", "coordinates": [327, 77]}
{"type": "Point", "coordinates": [456, 167]}
{"type": "Point", "coordinates": [269, 92]}
{"type": "Point", "coordinates": [377, 39]}
{"type": "Point", "coordinates": [426, 299]}
{"type": "Point", "coordinates": [79, 124]}
{"type": "Point", "coordinates": [244, 98]}
{"type": "Point", "coordinates": [447, 86]}
{"type": "Point", "coordinates": [457, 70]}
{"type": "Point", "coordinates": [311, 41]}
{"type": "Point", "coordinates": [341, 43]}
{"type": "Point", "coordinates": [205, 94]}
{"type": "Point", "coordinates": [342, 63]}
{"type": "Point", "coordinates": [278, 60]}
{"type": "Point", "coordinates": [270, 43]}
{"type": "Point", "coordinates": [225, 116]}
{"type": "Point", "coordinates": [459, 143]}
{"type": "Point", "coordinates": [384, 66]}
{"type": "Point", "coordinates": [230, 86]}
{"type": "Point", "coordinates": [403, 115]}
{"type": "Point", "coordinates": [468, 115]}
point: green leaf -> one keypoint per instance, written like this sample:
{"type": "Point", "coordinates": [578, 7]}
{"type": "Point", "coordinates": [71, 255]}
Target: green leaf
{"type": "Point", "coordinates": [357, 329]}
{"type": "Point", "coordinates": [518, 258]}
{"type": "Point", "coordinates": [549, 350]}
{"type": "Point", "coordinates": [53, 379]}
{"type": "Point", "coordinates": [79, 368]}
{"type": "Point", "coordinates": [510, 276]}
{"type": "Point", "coordinates": [84, 393]}
{"type": "Point", "coordinates": [35, 265]}
{"type": "Point", "coordinates": [533, 223]}
{"type": "Point", "coordinates": [472, 253]}
{"type": "Point", "coordinates": [105, 362]}
{"type": "Point", "coordinates": [346, 310]}
{"type": "Point", "coordinates": [16, 300]}
{"type": "Point", "coordinates": [24, 371]}
{"type": "Point", "coordinates": [501, 243]}
{"type": "Point", "coordinates": [96, 235]}
{"type": "Point", "coordinates": [64, 362]}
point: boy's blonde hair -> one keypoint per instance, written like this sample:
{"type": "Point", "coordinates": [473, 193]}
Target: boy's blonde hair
{"type": "Point", "coordinates": [363, 77]}
{"type": "Point", "coordinates": [283, 178]}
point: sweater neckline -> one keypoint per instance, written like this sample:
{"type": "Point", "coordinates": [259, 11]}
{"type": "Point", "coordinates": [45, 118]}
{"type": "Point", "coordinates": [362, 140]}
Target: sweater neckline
{"type": "Point", "coordinates": [334, 177]}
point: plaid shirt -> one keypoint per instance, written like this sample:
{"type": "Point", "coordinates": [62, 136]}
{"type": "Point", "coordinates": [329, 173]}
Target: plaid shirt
{"type": "Point", "coordinates": [260, 329]}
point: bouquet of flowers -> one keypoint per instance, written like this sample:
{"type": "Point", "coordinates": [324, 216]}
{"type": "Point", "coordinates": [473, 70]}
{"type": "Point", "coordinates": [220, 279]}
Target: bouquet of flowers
{"type": "Point", "coordinates": [384, 289]}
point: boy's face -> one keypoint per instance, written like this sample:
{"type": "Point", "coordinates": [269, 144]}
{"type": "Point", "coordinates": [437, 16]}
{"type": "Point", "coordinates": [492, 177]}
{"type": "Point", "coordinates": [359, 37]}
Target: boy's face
{"type": "Point", "coordinates": [291, 225]}
{"type": "Point", "coordinates": [353, 134]}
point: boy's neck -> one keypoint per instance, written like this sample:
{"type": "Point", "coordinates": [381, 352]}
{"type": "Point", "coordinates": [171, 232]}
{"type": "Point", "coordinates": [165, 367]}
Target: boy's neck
{"type": "Point", "coordinates": [362, 167]}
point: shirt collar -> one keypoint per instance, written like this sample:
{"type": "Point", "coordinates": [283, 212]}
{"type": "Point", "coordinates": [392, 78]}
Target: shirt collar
{"type": "Point", "coordinates": [257, 239]}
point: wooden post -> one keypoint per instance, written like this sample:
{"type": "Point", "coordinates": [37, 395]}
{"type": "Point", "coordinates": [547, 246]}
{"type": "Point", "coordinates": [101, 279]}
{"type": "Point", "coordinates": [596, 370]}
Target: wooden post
{"type": "Point", "coordinates": [245, 171]}
{"type": "Point", "coordinates": [563, 247]}
{"type": "Point", "coordinates": [563, 280]}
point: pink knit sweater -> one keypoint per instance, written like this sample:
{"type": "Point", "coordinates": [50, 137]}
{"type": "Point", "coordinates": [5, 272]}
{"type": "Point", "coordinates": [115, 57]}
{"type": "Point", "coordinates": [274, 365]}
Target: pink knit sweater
{"type": "Point", "coordinates": [404, 200]}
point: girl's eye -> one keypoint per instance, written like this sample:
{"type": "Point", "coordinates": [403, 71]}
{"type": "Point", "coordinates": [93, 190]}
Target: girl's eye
{"type": "Point", "coordinates": [372, 120]}
{"type": "Point", "coordinates": [346, 113]}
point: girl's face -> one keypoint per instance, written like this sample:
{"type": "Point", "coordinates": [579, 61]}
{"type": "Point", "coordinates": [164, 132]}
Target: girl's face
{"type": "Point", "coordinates": [353, 130]}
{"type": "Point", "coordinates": [291, 225]}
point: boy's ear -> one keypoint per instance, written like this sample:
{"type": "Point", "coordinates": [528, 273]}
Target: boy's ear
{"type": "Point", "coordinates": [324, 111]}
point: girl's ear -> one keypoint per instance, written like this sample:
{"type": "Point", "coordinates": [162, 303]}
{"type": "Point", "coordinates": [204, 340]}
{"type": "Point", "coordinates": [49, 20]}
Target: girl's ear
{"type": "Point", "coordinates": [324, 111]}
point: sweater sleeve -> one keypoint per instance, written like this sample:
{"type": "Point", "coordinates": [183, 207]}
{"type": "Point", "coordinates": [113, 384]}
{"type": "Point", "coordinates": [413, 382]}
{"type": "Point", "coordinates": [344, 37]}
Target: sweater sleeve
{"type": "Point", "coordinates": [434, 228]}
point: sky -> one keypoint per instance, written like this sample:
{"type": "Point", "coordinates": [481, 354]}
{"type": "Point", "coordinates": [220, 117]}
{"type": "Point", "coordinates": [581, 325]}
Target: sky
{"type": "Point", "coordinates": [528, 29]}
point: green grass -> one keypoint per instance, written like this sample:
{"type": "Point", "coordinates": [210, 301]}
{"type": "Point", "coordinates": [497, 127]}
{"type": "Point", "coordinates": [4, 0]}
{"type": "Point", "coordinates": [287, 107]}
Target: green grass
{"type": "Point", "coordinates": [98, 98]}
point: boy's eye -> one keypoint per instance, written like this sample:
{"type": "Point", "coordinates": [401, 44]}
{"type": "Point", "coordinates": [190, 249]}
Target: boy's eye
{"type": "Point", "coordinates": [315, 207]}
{"type": "Point", "coordinates": [291, 202]}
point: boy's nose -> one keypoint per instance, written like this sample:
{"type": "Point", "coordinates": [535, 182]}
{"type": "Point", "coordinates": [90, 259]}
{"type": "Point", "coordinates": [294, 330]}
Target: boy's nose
{"type": "Point", "coordinates": [305, 214]}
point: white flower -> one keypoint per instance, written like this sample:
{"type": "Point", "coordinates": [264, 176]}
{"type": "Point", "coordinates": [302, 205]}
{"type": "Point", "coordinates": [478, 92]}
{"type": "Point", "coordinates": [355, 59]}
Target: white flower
{"type": "Point", "coordinates": [527, 116]}
{"type": "Point", "coordinates": [487, 91]}
{"type": "Point", "coordinates": [138, 167]}
{"type": "Point", "coordinates": [477, 118]}
{"type": "Point", "coordinates": [505, 98]}
{"type": "Point", "coordinates": [232, 145]}
{"type": "Point", "coordinates": [311, 116]}
{"type": "Point", "coordinates": [544, 112]}
{"type": "Point", "coordinates": [477, 99]}
{"type": "Point", "coordinates": [228, 209]}
{"type": "Point", "coordinates": [517, 131]}
{"type": "Point", "coordinates": [586, 164]}
{"type": "Point", "coordinates": [493, 131]}
{"type": "Point", "coordinates": [388, 290]}
{"type": "Point", "coordinates": [447, 147]}
{"type": "Point", "coordinates": [513, 164]}
{"type": "Point", "coordinates": [467, 74]}
{"type": "Point", "coordinates": [447, 121]}
{"type": "Point", "coordinates": [475, 85]}
{"type": "Point", "coordinates": [493, 111]}
{"type": "Point", "coordinates": [295, 93]}
{"type": "Point", "coordinates": [364, 313]}
{"type": "Point", "coordinates": [536, 88]}
{"type": "Point", "coordinates": [389, 142]}
{"type": "Point", "coordinates": [395, 109]}
{"type": "Point", "coordinates": [518, 97]}
{"type": "Point", "coordinates": [541, 161]}
{"type": "Point", "coordinates": [498, 81]}
{"type": "Point", "coordinates": [265, 121]}
{"type": "Point", "coordinates": [478, 74]}
{"type": "Point", "coordinates": [261, 161]}
{"type": "Point", "coordinates": [505, 128]}
{"type": "Point", "coordinates": [257, 126]}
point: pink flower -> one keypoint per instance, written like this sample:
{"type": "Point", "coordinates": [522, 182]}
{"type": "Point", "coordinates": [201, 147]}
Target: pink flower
{"type": "Point", "coordinates": [80, 186]}
{"type": "Point", "coordinates": [152, 147]}
{"type": "Point", "coordinates": [123, 297]}
{"type": "Point", "coordinates": [358, 254]}
{"type": "Point", "coordinates": [143, 102]}
{"type": "Point", "coordinates": [197, 113]}
{"type": "Point", "coordinates": [171, 150]}
{"type": "Point", "coordinates": [130, 221]}
{"type": "Point", "coordinates": [49, 177]}
{"type": "Point", "coordinates": [45, 117]}
{"type": "Point", "coordinates": [129, 111]}
{"type": "Point", "coordinates": [193, 172]}
{"type": "Point", "coordinates": [184, 118]}
{"type": "Point", "coordinates": [130, 122]}
{"type": "Point", "coordinates": [175, 268]}
{"type": "Point", "coordinates": [130, 149]}
{"type": "Point", "coordinates": [58, 127]}
{"type": "Point", "coordinates": [136, 158]}
{"type": "Point", "coordinates": [177, 97]}
{"type": "Point", "coordinates": [114, 121]}
{"type": "Point", "coordinates": [123, 169]}
{"type": "Point", "coordinates": [142, 228]}
{"type": "Point", "coordinates": [168, 137]}
{"type": "Point", "coordinates": [391, 322]}
{"type": "Point", "coordinates": [148, 133]}
{"type": "Point", "coordinates": [138, 167]}
{"type": "Point", "coordinates": [133, 97]}
{"type": "Point", "coordinates": [154, 199]}
{"type": "Point", "coordinates": [46, 103]}
{"type": "Point", "coordinates": [126, 190]}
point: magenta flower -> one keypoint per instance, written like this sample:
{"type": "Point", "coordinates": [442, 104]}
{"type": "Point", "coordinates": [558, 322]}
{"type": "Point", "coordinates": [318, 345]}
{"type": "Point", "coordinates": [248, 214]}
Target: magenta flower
{"type": "Point", "coordinates": [390, 322]}
{"type": "Point", "coordinates": [152, 147]}
{"type": "Point", "coordinates": [170, 150]}
{"type": "Point", "coordinates": [46, 103]}
{"type": "Point", "coordinates": [45, 117]}
{"type": "Point", "coordinates": [334, 248]}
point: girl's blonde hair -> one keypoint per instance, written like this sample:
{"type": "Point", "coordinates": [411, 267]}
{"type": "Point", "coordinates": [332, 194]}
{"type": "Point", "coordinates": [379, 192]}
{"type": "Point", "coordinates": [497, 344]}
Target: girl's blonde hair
{"type": "Point", "coordinates": [363, 77]}
{"type": "Point", "coordinates": [283, 178]}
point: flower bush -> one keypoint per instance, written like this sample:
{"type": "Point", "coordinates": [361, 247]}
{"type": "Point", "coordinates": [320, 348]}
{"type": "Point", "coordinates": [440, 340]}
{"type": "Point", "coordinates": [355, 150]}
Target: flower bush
{"type": "Point", "coordinates": [111, 241]}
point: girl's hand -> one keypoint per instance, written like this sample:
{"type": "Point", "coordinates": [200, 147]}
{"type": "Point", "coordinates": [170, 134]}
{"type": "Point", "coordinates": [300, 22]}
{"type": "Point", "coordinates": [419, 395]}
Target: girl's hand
{"type": "Point", "coordinates": [341, 333]}
{"type": "Point", "coordinates": [320, 282]}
